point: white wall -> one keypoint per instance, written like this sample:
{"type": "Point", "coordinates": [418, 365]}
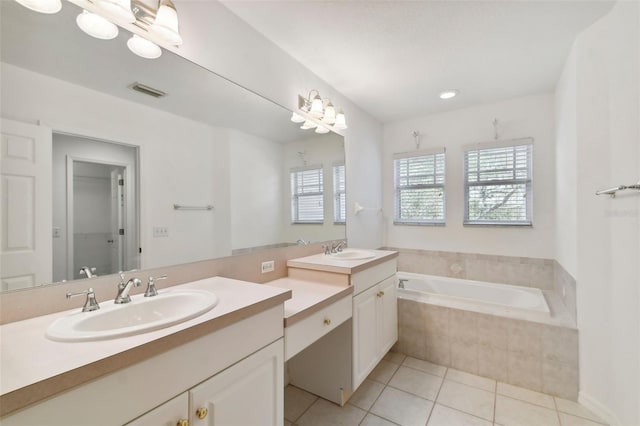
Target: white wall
{"type": "Point", "coordinates": [174, 153]}
{"type": "Point", "coordinates": [530, 116]}
{"type": "Point", "coordinates": [599, 141]}
{"type": "Point", "coordinates": [251, 60]}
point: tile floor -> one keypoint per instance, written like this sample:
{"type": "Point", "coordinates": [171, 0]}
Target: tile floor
{"type": "Point", "coordinates": [406, 391]}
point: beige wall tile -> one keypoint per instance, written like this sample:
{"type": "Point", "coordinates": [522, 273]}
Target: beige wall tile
{"type": "Point", "coordinates": [560, 379]}
{"type": "Point", "coordinates": [525, 337]}
{"type": "Point", "coordinates": [524, 370]}
{"type": "Point", "coordinates": [436, 319]}
{"type": "Point", "coordinates": [493, 362]}
{"type": "Point", "coordinates": [560, 344]}
{"type": "Point", "coordinates": [464, 356]}
{"type": "Point", "coordinates": [438, 350]}
{"type": "Point", "coordinates": [463, 326]}
{"type": "Point", "coordinates": [492, 331]}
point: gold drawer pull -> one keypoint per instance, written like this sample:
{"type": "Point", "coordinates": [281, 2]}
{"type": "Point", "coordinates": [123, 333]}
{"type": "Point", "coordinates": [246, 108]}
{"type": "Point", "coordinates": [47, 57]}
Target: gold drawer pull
{"type": "Point", "coordinates": [327, 321]}
{"type": "Point", "coordinates": [202, 413]}
{"type": "Point", "coordinates": [380, 294]}
{"type": "Point", "coordinates": [183, 422]}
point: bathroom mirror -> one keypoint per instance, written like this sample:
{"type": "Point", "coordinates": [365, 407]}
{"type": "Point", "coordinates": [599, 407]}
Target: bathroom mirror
{"type": "Point", "coordinates": [214, 161]}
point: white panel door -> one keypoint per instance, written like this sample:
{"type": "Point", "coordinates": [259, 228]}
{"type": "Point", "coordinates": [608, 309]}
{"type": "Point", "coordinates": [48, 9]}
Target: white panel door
{"type": "Point", "coordinates": [25, 205]}
{"type": "Point", "coordinates": [249, 393]}
{"type": "Point", "coordinates": [388, 314]}
{"type": "Point", "coordinates": [365, 324]}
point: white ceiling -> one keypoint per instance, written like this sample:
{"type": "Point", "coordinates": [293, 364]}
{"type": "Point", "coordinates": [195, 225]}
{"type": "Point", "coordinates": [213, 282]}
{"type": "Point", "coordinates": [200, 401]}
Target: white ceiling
{"type": "Point", "coordinates": [393, 58]}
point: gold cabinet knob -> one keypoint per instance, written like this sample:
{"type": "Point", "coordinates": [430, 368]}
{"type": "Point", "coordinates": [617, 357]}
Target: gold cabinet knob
{"type": "Point", "coordinates": [202, 412]}
{"type": "Point", "coordinates": [183, 422]}
{"type": "Point", "coordinates": [327, 321]}
{"type": "Point", "coordinates": [379, 294]}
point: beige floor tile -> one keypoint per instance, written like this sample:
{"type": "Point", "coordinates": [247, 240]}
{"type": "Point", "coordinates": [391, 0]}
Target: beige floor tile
{"type": "Point", "coordinates": [402, 408]}
{"type": "Point", "coordinates": [569, 420]}
{"type": "Point", "coordinates": [296, 402]}
{"type": "Point", "coordinates": [323, 413]}
{"type": "Point", "coordinates": [395, 357]}
{"type": "Point", "coordinates": [572, 407]}
{"type": "Point", "coordinates": [471, 380]}
{"type": "Point", "coordinates": [366, 394]}
{"type": "Point", "coordinates": [373, 420]}
{"type": "Point", "coordinates": [383, 371]}
{"type": "Point", "coordinates": [477, 402]}
{"type": "Point", "coordinates": [526, 395]}
{"type": "Point", "coordinates": [512, 412]}
{"type": "Point", "coordinates": [426, 366]}
{"type": "Point", "coordinates": [424, 385]}
{"type": "Point", "coordinates": [445, 416]}
{"type": "Point", "coordinates": [287, 423]}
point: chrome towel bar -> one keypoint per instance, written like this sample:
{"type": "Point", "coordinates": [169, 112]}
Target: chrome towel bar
{"type": "Point", "coordinates": [612, 191]}
{"type": "Point", "coordinates": [181, 207]}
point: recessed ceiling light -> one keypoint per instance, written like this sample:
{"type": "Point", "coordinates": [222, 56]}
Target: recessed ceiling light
{"type": "Point", "coordinates": [448, 94]}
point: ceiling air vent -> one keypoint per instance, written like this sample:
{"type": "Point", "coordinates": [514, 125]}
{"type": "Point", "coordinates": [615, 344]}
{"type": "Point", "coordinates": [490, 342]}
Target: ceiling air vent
{"type": "Point", "coordinates": [139, 87]}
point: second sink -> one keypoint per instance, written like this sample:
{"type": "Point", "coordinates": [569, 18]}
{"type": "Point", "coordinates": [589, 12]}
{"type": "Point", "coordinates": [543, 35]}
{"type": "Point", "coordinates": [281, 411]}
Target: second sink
{"type": "Point", "coordinates": [142, 314]}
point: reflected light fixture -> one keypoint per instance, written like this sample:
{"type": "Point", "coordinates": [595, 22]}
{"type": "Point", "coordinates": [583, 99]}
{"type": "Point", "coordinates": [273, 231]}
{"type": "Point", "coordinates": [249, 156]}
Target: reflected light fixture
{"type": "Point", "coordinates": [166, 23]}
{"type": "Point", "coordinates": [96, 26]}
{"type": "Point", "coordinates": [321, 109]}
{"type": "Point", "coordinates": [118, 8]}
{"type": "Point", "coordinates": [448, 94]}
{"type": "Point", "coordinates": [143, 47]}
{"type": "Point", "coordinates": [42, 6]}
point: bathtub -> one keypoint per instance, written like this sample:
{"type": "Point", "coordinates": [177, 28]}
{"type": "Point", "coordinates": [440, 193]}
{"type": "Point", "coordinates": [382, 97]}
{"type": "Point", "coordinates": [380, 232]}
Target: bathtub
{"type": "Point", "coordinates": [478, 296]}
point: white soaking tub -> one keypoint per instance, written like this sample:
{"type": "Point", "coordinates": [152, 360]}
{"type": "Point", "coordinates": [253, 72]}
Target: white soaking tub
{"type": "Point", "coordinates": [498, 299]}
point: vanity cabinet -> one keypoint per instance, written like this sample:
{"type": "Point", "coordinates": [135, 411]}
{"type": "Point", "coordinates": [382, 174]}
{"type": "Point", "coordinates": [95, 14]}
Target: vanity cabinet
{"type": "Point", "coordinates": [375, 327]}
{"type": "Point", "coordinates": [247, 393]}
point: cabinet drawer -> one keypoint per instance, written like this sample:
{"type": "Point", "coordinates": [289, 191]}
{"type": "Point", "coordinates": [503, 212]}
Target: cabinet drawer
{"type": "Point", "coordinates": [369, 277]}
{"type": "Point", "coordinates": [301, 334]}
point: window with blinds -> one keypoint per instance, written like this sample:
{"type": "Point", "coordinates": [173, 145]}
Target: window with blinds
{"type": "Point", "coordinates": [419, 188]}
{"type": "Point", "coordinates": [498, 183]}
{"type": "Point", "coordinates": [339, 194]}
{"type": "Point", "coordinates": [307, 196]}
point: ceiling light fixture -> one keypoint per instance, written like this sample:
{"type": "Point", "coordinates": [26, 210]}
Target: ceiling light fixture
{"type": "Point", "coordinates": [143, 47]}
{"type": "Point", "coordinates": [42, 6]}
{"type": "Point", "coordinates": [448, 94]}
{"type": "Point", "coordinates": [320, 110]}
{"type": "Point", "coordinates": [101, 17]}
{"type": "Point", "coordinates": [96, 26]}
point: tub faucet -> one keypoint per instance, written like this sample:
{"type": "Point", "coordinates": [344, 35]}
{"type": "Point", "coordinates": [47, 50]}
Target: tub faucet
{"type": "Point", "coordinates": [401, 282]}
{"type": "Point", "coordinates": [124, 288]}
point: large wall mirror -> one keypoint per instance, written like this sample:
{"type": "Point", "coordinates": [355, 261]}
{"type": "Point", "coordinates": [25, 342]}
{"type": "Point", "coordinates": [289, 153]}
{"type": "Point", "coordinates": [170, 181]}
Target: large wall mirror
{"type": "Point", "coordinates": [98, 177]}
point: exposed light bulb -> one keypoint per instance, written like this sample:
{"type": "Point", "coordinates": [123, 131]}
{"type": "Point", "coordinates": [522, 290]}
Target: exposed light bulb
{"type": "Point", "coordinates": [143, 47]}
{"type": "Point", "coordinates": [448, 94]}
{"type": "Point", "coordinates": [166, 23]}
{"type": "Point", "coordinates": [341, 121]}
{"type": "Point", "coordinates": [322, 130]}
{"type": "Point", "coordinates": [308, 124]}
{"type": "Point", "coordinates": [317, 109]}
{"type": "Point", "coordinates": [120, 9]}
{"type": "Point", "coordinates": [329, 114]}
{"type": "Point", "coordinates": [297, 118]}
{"type": "Point", "coordinates": [96, 26]}
{"type": "Point", "coordinates": [42, 6]}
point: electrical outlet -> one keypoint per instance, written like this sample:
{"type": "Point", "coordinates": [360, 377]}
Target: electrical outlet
{"type": "Point", "coordinates": [160, 231]}
{"type": "Point", "coordinates": [268, 266]}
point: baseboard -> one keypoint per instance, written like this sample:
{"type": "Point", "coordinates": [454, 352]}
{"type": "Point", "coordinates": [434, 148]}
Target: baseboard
{"type": "Point", "coordinates": [598, 408]}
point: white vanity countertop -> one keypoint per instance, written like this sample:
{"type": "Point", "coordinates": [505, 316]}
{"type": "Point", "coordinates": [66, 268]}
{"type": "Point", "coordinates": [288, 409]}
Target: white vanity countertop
{"type": "Point", "coordinates": [30, 359]}
{"type": "Point", "coordinates": [326, 263]}
{"type": "Point", "coordinates": [308, 297]}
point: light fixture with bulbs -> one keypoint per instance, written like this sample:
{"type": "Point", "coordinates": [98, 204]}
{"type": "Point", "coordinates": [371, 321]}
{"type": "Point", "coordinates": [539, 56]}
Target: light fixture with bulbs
{"type": "Point", "coordinates": [161, 22]}
{"type": "Point", "coordinates": [319, 114]}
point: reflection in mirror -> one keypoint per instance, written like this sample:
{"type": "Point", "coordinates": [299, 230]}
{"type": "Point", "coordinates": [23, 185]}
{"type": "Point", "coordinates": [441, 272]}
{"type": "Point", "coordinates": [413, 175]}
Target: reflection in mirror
{"type": "Point", "coordinates": [207, 142]}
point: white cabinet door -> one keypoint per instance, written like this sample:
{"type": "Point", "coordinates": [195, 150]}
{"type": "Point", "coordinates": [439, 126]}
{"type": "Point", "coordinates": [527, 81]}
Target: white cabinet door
{"type": "Point", "coordinates": [25, 205]}
{"type": "Point", "coordinates": [365, 324]}
{"type": "Point", "coordinates": [388, 314]}
{"type": "Point", "coordinates": [172, 413]}
{"type": "Point", "coordinates": [249, 393]}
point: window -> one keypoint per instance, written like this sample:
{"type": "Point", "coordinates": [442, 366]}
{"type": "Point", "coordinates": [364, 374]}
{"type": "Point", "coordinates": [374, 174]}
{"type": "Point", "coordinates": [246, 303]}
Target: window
{"type": "Point", "coordinates": [497, 183]}
{"type": "Point", "coordinates": [419, 183]}
{"type": "Point", "coordinates": [307, 195]}
{"type": "Point", "coordinates": [339, 194]}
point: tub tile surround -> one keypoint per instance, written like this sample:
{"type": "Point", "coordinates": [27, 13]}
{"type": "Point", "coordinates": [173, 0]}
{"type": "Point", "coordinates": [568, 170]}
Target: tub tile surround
{"type": "Point", "coordinates": [540, 357]}
{"type": "Point", "coordinates": [423, 393]}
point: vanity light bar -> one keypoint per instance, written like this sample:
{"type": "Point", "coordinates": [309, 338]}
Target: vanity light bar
{"type": "Point", "coordinates": [156, 93]}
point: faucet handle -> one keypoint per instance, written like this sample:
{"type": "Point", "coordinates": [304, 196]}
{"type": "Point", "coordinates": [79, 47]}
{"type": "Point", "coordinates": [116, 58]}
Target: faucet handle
{"type": "Point", "coordinates": [151, 288]}
{"type": "Point", "coordinates": [91, 304]}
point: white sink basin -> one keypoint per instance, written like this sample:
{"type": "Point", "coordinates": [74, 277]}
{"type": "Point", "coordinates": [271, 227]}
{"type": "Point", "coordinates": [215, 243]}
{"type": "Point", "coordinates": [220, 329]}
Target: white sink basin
{"type": "Point", "coordinates": [141, 315]}
{"type": "Point", "coordinates": [353, 254]}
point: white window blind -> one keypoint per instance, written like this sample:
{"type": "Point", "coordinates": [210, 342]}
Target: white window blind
{"type": "Point", "coordinates": [339, 194]}
{"type": "Point", "coordinates": [419, 188]}
{"type": "Point", "coordinates": [498, 183]}
{"type": "Point", "coordinates": [307, 195]}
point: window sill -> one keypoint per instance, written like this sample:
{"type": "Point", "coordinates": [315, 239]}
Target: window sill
{"type": "Point", "coordinates": [498, 224]}
{"type": "Point", "coordinates": [419, 223]}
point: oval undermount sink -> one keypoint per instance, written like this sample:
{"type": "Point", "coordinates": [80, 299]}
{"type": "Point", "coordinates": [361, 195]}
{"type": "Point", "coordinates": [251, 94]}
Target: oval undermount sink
{"type": "Point", "coordinates": [141, 315]}
{"type": "Point", "coordinates": [353, 254]}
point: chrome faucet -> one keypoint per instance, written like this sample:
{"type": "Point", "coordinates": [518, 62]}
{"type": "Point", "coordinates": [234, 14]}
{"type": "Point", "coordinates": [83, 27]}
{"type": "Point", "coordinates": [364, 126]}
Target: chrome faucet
{"type": "Point", "coordinates": [124, 288]}
{"type": "Point", "coordinates": [151, 287]}
{"type": "Point", "coordinates": [401, 282]}
{"type": "Point", "coordinates": [91, 304]}
{"type": "Point", "coordinates": [89, 272]}
{"type": "Point", "coordinates": [334, 248]}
